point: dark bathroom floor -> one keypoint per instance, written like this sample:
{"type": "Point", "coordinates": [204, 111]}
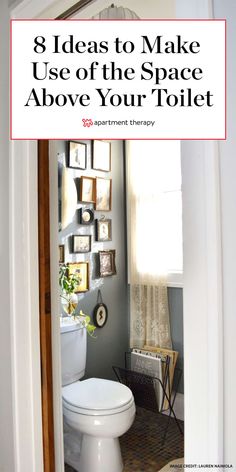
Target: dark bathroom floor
{"type": "Point", "coordinates": [141, 445]}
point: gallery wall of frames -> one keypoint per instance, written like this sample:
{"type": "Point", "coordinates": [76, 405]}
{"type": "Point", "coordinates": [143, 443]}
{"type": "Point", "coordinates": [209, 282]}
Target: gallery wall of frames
{"type": "Point", "coordinates": [87, 243]}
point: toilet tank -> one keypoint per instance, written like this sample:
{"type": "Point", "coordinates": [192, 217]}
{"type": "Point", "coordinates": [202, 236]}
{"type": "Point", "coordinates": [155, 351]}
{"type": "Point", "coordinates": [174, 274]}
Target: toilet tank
{"type": "Point", "coordinates": [73, 350]}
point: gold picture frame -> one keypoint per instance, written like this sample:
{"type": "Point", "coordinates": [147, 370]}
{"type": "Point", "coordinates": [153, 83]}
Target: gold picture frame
{"type": "Point", "coordinates": [103, 194]}
{"type": "Point", "coordinates": [87, 189]}
{"type": "Point", "coordinates": [82, 270]}
{"type": "Point", "coordinates": [61, 253]}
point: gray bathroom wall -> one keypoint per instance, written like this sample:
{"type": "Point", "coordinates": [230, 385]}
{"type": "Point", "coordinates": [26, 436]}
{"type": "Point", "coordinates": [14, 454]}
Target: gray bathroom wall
{"type": "Point", "coordinates": [175, 297]}
{"type": "Point", "coordinates": [112, 340]}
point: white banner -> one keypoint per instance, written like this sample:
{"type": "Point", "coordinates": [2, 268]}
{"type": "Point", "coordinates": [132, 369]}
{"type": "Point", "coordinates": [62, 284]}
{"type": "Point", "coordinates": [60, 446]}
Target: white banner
{"type": "Point", "coordinates": [111, 79]}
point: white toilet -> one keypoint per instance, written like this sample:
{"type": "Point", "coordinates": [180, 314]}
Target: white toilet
{"type": "Point", "coordinates": [96, 411]}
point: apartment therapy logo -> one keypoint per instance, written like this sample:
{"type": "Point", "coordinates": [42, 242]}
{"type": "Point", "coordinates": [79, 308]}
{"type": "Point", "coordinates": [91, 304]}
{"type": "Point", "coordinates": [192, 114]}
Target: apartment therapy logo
{"type": "Point", "coordinates": [108, 70]}
{"type": "Point", "coordinates": [42, 70]}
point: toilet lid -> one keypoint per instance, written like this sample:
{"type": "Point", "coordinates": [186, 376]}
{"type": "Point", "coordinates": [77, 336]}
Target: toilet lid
{"type": "Point", "coordinates": [97, 395]}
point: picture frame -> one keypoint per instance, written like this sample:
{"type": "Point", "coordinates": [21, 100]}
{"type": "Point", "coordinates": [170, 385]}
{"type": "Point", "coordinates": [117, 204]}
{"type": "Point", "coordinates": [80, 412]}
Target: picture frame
{"type": "Point", "coordinates": [100, 314]}
{"type": "Point", "coordinates": [77, 155]}
{"type": "Point", "coordinates": [103, 194]}
{"type": "Point", "coordinates": [82, 269]}
{"type": "Point", "coordinates": [86, 216]}
{"type": "Point", "coordinates": [87, 189]}
{"type": "Point", "coordinates": [107, 265]}
{"type": "Point", "coordinates": [101, 157]}
{"type": "Point", "coordinates": [81, 243]}
{"type": "Point", "coordinates": [103, 230]}
{"type": "Point", "coordinates": [61, 248]}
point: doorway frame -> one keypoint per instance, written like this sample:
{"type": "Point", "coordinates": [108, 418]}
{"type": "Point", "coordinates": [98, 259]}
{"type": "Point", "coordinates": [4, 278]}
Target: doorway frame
{"type": "Point", "coordinates": [205, 193]}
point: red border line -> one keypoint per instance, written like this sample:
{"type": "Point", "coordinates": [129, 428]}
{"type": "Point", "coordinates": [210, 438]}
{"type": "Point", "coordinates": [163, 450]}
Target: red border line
{"type": "Point", "coordinates": [83, 138]}
{"type": "Point", "coordinates": [120, 19]}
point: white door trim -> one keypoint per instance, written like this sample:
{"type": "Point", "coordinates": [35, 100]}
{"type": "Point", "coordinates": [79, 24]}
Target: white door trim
{"type": "Point", "coordinates": [25, 339]}
{"type": "Point", "coordinates": [203, 288]}
{"type": "Point", "coordinates": [203, 314]}
{"type": "Point", "coordinates": [26, 373]}
{"type": "Point", "coordinates": [56, 341]}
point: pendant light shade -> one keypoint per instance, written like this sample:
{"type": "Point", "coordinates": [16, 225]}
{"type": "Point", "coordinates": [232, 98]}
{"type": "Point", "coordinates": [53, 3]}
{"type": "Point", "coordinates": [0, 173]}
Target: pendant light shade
{"type": "Point", "coordinates": [116, 13]}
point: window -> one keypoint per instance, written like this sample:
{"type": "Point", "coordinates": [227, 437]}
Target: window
{"type": "Point", "coordinates": [155, 208]}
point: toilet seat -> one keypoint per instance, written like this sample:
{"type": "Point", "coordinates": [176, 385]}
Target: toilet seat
{"type": "Point", "coordinates": [97, 397]}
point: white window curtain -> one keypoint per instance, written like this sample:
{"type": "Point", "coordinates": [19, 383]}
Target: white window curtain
{"type": "Point", "coordinates": [150, 168]}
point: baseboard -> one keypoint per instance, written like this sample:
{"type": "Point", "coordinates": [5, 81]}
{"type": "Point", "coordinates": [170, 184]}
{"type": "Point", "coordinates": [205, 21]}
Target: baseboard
{"type": "Point", "coordinates": [179, 406]}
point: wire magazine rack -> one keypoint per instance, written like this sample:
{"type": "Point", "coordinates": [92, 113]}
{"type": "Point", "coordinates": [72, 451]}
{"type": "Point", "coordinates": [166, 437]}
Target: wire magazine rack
{"type": "Point", "coordinates": [143, 387]}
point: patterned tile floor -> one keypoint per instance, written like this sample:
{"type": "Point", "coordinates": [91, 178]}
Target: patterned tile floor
{"type": "Point", "coordinates": [141, 445]}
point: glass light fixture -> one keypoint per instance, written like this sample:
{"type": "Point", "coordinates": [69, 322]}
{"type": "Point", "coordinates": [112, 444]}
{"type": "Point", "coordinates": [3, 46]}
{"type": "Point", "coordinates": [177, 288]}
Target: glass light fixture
{"type": "Point", "coordinates": [114, 12]}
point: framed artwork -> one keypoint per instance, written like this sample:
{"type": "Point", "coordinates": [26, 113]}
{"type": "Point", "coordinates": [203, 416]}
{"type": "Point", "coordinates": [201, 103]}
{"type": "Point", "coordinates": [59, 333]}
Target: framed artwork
{"type": "Point", "coordinates": [87, 189]}
{"type": "Point", "coordinates": [86, 216]}
{"type": "Point", "coordinates": [103, 230]}
{"type": "Point", "coordinates": [107, 263]}
{"type": "Point", "coordinates": [61, 253]}
{"type": "Point", "coordinates": [81, 269]}
{"type": "Point", "coordinates": [103, 194]}
{"type": "Point", "coordinates": [101, 155]}
{"type": "Point", "coordinates": [81, 243]}
{"type": "Point", "coordinates": [77, 155]}
{"type": "Point", "coordinates": [100, 314]}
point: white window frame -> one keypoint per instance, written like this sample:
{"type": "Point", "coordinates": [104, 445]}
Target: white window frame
{"type": "Point", "coordinates": [175, 279]}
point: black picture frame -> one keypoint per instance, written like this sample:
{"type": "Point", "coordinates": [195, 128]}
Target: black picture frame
{"type": "Point", "coordinates": [100, 315]}
{"type": "Point", "coordinates": [104, 230]}
{"type": "Point", "coordinates": [77, 155]}
{"type": "Point", "coordinates": [107, 264]}
{"type": "Point", "coordinates": [86, 216]}
{"type": "Point", "coordinates": [101, 156]}
{"type": "Point", "coordinates": [81, 243]}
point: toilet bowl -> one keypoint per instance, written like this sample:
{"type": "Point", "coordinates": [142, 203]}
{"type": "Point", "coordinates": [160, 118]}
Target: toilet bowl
{"type": "Point", "coordinates": [95, 411]}
{"type": "Point", "coordinates": [101, 410]}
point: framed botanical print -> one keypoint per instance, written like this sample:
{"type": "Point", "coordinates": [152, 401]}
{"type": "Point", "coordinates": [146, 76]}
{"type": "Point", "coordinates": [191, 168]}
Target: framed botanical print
{"type": "Point", "coordinates": [107, 263]}
{"type": "Point", "coordinates": [77, 155]}
{"type": "Point", "coordinates": [87, 189]}
{"type": "Point", "coordinates": [101, 155]}
{"type": "Point", "coordinates": [81, 269]}
{"type": "Point", "coordinates": [81, 243]}
{"type": "Point", "coordinates": [103, 230]}
{"type": "Point", "coordinates": [103, 194]}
